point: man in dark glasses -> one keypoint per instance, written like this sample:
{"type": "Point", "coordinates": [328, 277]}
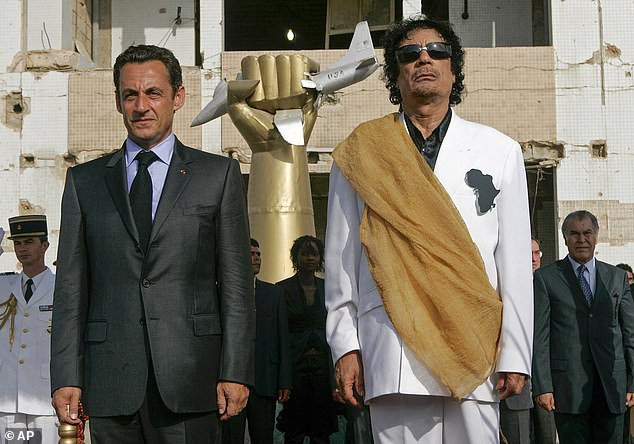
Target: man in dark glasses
{"type": "Point", "coordinates": [419, 199]}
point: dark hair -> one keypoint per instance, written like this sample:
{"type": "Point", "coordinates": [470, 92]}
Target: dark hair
{"type": "Point", "coordinates": [579, 215]}
{"type": "Point", "coordinates": [148, 53]}
{"type": "Point", "coordinates": [624, 267]}
{"type": "Point", "coordinates": [302, 242]}
{"type": "Point", "coordinates": [254, 243]}
{"type": "Point", "coordinates": [398, 32]}
{"type": "Point", "coordinates": [539, 243]}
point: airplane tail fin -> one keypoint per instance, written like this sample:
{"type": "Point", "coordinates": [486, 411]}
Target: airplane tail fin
{"type": "Point", "coordinates": [360, 48]}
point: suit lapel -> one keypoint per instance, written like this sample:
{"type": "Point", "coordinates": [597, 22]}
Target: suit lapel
{"type": "Point", "coordinates": [118, 186]}
{"type": "Point", "coordinates": [455, 155]}
{"type": "Point", "coordinates": [178, 174]}
{"type": "Point", "coordinates": [602, 280]}
{"type": "Point", "coordinates": [568, 274]}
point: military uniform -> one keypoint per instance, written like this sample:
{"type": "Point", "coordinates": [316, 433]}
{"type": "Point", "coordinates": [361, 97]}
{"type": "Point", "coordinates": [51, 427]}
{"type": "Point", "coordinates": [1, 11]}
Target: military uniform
{"type": "Point", "coordinates": [25, 353]}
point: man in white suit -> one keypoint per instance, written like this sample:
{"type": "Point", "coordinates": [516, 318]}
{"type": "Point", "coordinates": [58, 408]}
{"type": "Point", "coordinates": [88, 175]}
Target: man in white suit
{"type": "Point", "coordinates": [26, 306]}
{"type": "Point", "coordinates": [476, 175]}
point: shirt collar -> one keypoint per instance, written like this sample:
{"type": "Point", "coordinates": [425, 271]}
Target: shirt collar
{"type": "Point", "coordinates": [590, 265]}
{"type": "Point", "coordinates": [36, 279]}
{"type": "Point", "coordinates": [440, 131]}
{"type": "Point", "coordinates": [163, 150]}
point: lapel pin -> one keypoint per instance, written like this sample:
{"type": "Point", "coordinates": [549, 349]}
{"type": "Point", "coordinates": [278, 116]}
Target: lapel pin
{"type": "Point", "coordinates": [183, 172]}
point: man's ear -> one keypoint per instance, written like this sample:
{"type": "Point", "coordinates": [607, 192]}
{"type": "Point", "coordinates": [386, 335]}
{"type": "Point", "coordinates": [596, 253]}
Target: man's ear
{"type": "Point", "coordinates": [179, 98]}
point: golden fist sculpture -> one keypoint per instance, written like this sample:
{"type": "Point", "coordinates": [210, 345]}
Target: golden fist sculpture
{"type": "Point", "coordinates": [274, 106]}
{"type": "Point", "coordinates": [269, 101]}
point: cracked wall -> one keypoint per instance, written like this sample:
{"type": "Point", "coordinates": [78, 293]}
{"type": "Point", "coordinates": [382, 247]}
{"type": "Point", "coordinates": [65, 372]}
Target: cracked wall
{"type": "Point", "coordinates": [32, 165]}
{"type": "Point", "coordinates": [594, 60]}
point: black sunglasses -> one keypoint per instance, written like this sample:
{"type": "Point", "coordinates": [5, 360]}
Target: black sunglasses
{"type": "Point", "coordinates": [435, 50]}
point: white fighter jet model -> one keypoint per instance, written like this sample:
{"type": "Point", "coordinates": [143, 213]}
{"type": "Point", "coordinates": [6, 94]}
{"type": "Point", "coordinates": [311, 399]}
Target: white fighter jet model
{"type": "Point", "coordinates": [357, 64]}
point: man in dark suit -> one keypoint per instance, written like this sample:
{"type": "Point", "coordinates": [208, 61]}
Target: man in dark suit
{"type": "Point", "coordinates": [515, 411]}
{"type": "Point", "coordinates": [584, 339]}
{"type": "Point", "coordinates": [272, 363]}
{"type": "Point", "coordinates": [153, 316]}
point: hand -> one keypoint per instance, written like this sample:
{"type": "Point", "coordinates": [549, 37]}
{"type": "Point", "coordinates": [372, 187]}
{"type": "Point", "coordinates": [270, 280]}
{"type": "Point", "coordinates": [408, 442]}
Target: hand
{"type": "Point", "coordinates": [336, 396]}
{"type": "Point", "coordinates": [349, 378]}
{"type": "Point", "coordinates": [547, 401]}
{"type": "Point", "coordinates": [510, 384]}
{"type": "Point", "coordinates": [283, 395]}
{"type": "Point", "coordinates": [66, 404]}
{"type": "Point", "coordinates": [271, 84]}
{"type": "Point", "coordinates": [232, 397]}
{"type": "Point", "coordinates": [629, 399]}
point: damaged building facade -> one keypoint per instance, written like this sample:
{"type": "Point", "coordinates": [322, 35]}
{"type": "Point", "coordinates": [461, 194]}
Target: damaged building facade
{"type": "Point", "coordinates": [556, 75]}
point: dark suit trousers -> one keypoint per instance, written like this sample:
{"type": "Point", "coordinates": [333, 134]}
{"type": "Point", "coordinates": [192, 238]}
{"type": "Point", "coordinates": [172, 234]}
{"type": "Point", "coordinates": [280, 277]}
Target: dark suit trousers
{"type": "Point", "coordinates": [515, 424]}
{"type": "Point", "coordinates": [155, 424]}
{"type": "Point", "coordinates": [596, 426]}
{"type": "Point", "coordinates": [260, 414]}
{"type": "Point", "coordinates": [544, 430]}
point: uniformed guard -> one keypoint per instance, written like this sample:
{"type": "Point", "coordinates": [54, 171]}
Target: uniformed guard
{"type": "Point", "coordinates": [26, 305]}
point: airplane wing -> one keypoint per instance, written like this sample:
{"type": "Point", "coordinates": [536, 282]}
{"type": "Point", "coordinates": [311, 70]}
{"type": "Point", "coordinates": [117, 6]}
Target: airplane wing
{"type": "Point", "coordinates": [216, 108]}
{"type": "Point", "coordinates": [290, 124]}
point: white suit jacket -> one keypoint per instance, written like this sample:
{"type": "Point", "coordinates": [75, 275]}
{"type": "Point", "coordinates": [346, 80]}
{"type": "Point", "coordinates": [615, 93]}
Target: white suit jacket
{"type": "Point", "coordinates": [24, 371]}
{"type": "Point", "coordinates": [356, 317]}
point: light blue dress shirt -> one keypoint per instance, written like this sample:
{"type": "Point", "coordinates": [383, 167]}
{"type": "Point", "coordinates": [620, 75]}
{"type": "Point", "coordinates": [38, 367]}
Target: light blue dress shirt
{"type": "Point", "coordinates": [157, 170]}
{"type": "Point", "coordinates": [590, 273]}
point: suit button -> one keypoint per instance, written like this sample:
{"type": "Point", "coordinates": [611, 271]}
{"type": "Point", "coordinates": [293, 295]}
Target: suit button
{"type": "Point", "coordinates": [142, 321]}
{"type": "Point", "coordinates": [590, 315]}
{"type": "Point", "coordinates": [27, 314]}
{"type": "Point", "coordinates": [145, 283]}
{"type": "Point", "coordinates": [25, 330]}
{"type": "Point", "coordinates": [22, 345]}
{"type": "Point", "coordinates": [21, 361]}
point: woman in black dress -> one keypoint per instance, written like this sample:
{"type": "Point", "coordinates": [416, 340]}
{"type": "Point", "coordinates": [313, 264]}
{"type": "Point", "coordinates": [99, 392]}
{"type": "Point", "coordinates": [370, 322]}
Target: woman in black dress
{"type": "Point", "coordinates": [310, 409]}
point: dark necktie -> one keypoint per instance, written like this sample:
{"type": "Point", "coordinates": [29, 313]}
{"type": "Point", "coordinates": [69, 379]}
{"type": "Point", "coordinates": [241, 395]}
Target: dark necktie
{"type": "Point", "coordinates": [29, 290]}
{"type": "Point", "coordinates": [141, 197]}
{"type": "Point", "coordinates": [583, 282]}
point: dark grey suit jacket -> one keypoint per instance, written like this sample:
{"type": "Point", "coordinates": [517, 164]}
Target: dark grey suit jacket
{"type": "Point", "coordinates": [185, 308]}
{"type": "Point", "coordinates": [272, 348]}
{"type": "Point", "coordinates": [571, 338]}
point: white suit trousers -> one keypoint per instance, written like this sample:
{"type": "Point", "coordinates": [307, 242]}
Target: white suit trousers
{"type": "Point", "coordinates": [47, 423]}
{"type": "Point", "coordinates": [416, 419]}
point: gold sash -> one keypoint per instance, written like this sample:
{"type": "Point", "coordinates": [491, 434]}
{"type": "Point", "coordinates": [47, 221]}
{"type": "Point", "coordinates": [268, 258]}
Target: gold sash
{"type": "Point", "coordinates": [428, 271]}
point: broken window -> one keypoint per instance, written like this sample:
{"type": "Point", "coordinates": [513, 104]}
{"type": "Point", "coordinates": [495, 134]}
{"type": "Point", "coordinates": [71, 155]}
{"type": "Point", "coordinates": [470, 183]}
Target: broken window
{"type": "Point", "coordinates": [343, 16]}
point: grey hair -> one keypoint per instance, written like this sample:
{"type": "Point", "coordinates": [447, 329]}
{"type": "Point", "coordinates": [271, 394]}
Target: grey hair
{"type": "Point", "coordinates": [579, 215]}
